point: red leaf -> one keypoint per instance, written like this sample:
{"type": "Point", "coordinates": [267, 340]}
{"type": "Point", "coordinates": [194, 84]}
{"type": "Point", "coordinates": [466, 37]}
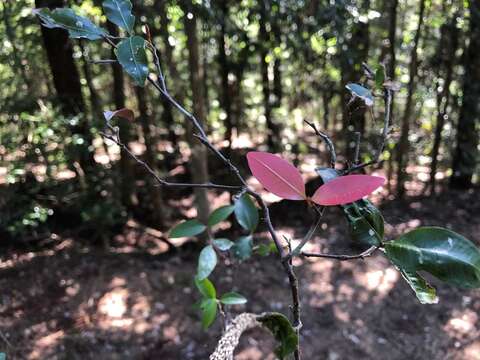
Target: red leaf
{"type": "Point", "coordinates": [277, 175]}
{"type": "Point", "coordinates": [123, 113]}
{"type": "Point", "coordinates": [346, 189]}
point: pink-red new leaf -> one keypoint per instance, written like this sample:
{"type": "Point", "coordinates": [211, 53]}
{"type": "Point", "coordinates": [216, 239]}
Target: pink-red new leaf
{"type": "Point", "coordinates": [277, 175]}
{"type": "Point", "coordinates": [346, 189]}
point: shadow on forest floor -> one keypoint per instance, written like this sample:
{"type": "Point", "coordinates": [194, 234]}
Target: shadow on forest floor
{"type": "Point", "coordinates": [73, 301]}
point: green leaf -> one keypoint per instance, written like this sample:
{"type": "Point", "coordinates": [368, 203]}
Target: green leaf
{"type": "Point", "coordinates": [119, 12]}
{"type": "Point", "coordinates": [365, 222]}
{"type": "Point", "coordinates": [283, 332]}
{"type": "Point", "coordinates": [443, 253]}
{"type": "Point", "coordinates": [64, 18]}
{"type": "Point", "coordinates": [206, 288]}
{"type": "Point", "coordinates": [206, 262]}
{"type": "Point", "coordinates": [361, 92]}
{"type": "Point", "coordinates": [246, 213]}
{"type": "Point", "coordinates": [233, 298]}
{"type": "Point", "coordinates": [242, 249]}
{"type": "Point", "coordinates": [326, 174]}
{"type": "Point", "coordinates": [209, 312]}
{"type": "Point", "coordinates": [220, 214]}
{"type": "Point", "coordinates": [223, 244]}
{"type": "Point", "coordinates": [187, 228]}
{"type": "Point", "coordinates": [379, 76]}
{"type": "Point", "coordinates": [265, 250]}
{"type": "Point", "coordinates": [425, 293]}
{"type": "Point", "coordinates": [133, 58]}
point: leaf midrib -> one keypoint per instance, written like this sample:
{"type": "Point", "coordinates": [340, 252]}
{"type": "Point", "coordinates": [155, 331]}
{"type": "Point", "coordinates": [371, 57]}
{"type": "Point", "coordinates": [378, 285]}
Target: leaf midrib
{"type": "Point", "coordinates": [302, 195]}
{"type": "Point", "coordinates": [121, 15]}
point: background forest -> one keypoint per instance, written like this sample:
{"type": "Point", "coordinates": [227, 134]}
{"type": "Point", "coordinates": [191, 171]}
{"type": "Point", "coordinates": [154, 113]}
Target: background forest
{"type": "Point", "coordinates": [86, 264]}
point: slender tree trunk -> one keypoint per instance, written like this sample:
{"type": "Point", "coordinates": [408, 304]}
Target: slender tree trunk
{"type": "Point", "coordinates": [391, 67]}
{"type": "Point", "coordinates": [272, 129]}
{"type": "Point", "coordinates": [126, 165]}
{"type": "Point", "coordinates": [67, 84]}
{"type": "Point", "coordinates": [447, 48]}
{"type": "Point", "coordinates": [466, 153]}
{"type": "Point", "coordinates": [225, 71]}
{"type": "Point", "coordinates": [155, 192]}
{"type": "Point", "coordinates": [199, 167]}
{"type": "Point", "coordinates": [403, 145]}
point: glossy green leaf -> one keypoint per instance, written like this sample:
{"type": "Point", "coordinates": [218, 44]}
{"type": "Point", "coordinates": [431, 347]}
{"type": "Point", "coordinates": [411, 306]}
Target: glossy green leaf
{"type": "Point", "coordinates": [425, 293]}
{"type": "Point", "coordinates": [206, 288]}
{"type": "Point", "coordinates": [242, 249]}
{"type": "Point", "coordinates": [443, 253]}
{"type": "Point", "coordinates": [209, 312]}
{"type": "Point", "coordinates": [233, 298]}
{"type": "Point", "coordinates": [119, 12]}
{"type": "Point", "coordinates": [187, 228]}
{"type": "Point", "coordinates": [326, 174]}
{"type": "Point", "coordinates": [246, 213]}
{"type": "Point", "coordinates": [361, 92]}
{"type": "Point", "coordinates": [64, 18]}
{"type": "Point", "coordinates": [220, 214]}
{"type": "Point", "coordinates": [132, 56]}
{"type": "Point", "coordinates": [283, 331]}
{"type": "Point", "coordinates": [379, 76]}
{"type": "Point", "coordinates": [223, 244]}
{"type": "Point", "coordinates": [207, 261]}
{"type": "Point", "coordinates": [365, 222]}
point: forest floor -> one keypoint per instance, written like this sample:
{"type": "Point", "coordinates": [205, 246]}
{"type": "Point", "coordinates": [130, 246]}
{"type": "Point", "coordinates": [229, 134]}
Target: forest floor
{"type": "Point", "coordinates": [69, 300]}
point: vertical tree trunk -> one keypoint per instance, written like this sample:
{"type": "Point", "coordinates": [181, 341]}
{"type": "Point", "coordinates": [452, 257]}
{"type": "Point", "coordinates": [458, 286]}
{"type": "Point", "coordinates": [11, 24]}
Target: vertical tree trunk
{"type": "Point", "coordinates": [199, 168]}
{"type": "Point", "coordinates": [358, 46]}
{"type": "Point", "coordinates": [225, 71]}
{"type": "Point", "coordinates": [66, 80]}
{"type": "Point", "coordinates": [466, 153]}
{"type": "Point", "coordinates": [155, 192]}
{"type": "Point", "coordinates": [403, 145]}
{"type": "Point", "coordinates": [126, 165]}
{"type": "Point", "coordinates": [447, 48]}
{"type": "Point", "coordinates": [391, 67]}
{"type": "Point", "coordinates": [272, 129]}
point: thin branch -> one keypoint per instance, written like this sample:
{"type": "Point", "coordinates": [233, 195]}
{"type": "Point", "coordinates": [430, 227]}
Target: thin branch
{"type": "Point", "coordinates": [307, 237]}
{"type": "Point", "coordinates": [388, 95]}
{"type": "Point", "coordinates": [363, 255]}
{"type": "Point", "coordinates": [328, 141]}
{"type": "Point", "coordinates": [157, 178]}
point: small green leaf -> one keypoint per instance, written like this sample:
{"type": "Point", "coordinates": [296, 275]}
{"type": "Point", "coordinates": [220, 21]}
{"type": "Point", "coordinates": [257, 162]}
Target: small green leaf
{"type": "Point", "coordinates": [425, 293]}
{"type": "Point", "coordinates": [119, 12]}
{"type": "Point", "coordinates": [223, 244]}
{"type": "Point", "coordinates": [361, 92]}
{"type": "Point", "coordinates": [233, 298]}
{"type": "Point", "coordinates": [379, 76]}
{"type": "Point", "coordinates": [242, 249]}
{"type": "Point", "coordinates": [133, 58]}
{"type": "Point", "coordinates": [246, 213]}
{"type": "Point", "coordinates": [265, 250]}
{"type": "Point", "coordinates": [283, 332]}
{"type": "Point", "coordinates": [64, 18]}
{"type": "Point", "coordinates": [326, 174]}
{"type": "Point", "coordinates": [220, 214]}
{"type": "Point", "coordinates": [206, 262]}
{"type": "Point", "coordinates": [187, 228]}
{"type": "Point", "coordinates": [209, 312]}
{"type": "Point", "coordinates": [206, 288]}
{"type": "Point", "coordinates": [441, 252]}
{"type": "Point", "coordinates": [365, 221]}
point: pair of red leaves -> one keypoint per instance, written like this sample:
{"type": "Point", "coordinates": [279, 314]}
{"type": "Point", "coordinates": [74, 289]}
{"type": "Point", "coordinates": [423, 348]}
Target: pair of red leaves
{"type": "Point", "coordinates": [284, 180]}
